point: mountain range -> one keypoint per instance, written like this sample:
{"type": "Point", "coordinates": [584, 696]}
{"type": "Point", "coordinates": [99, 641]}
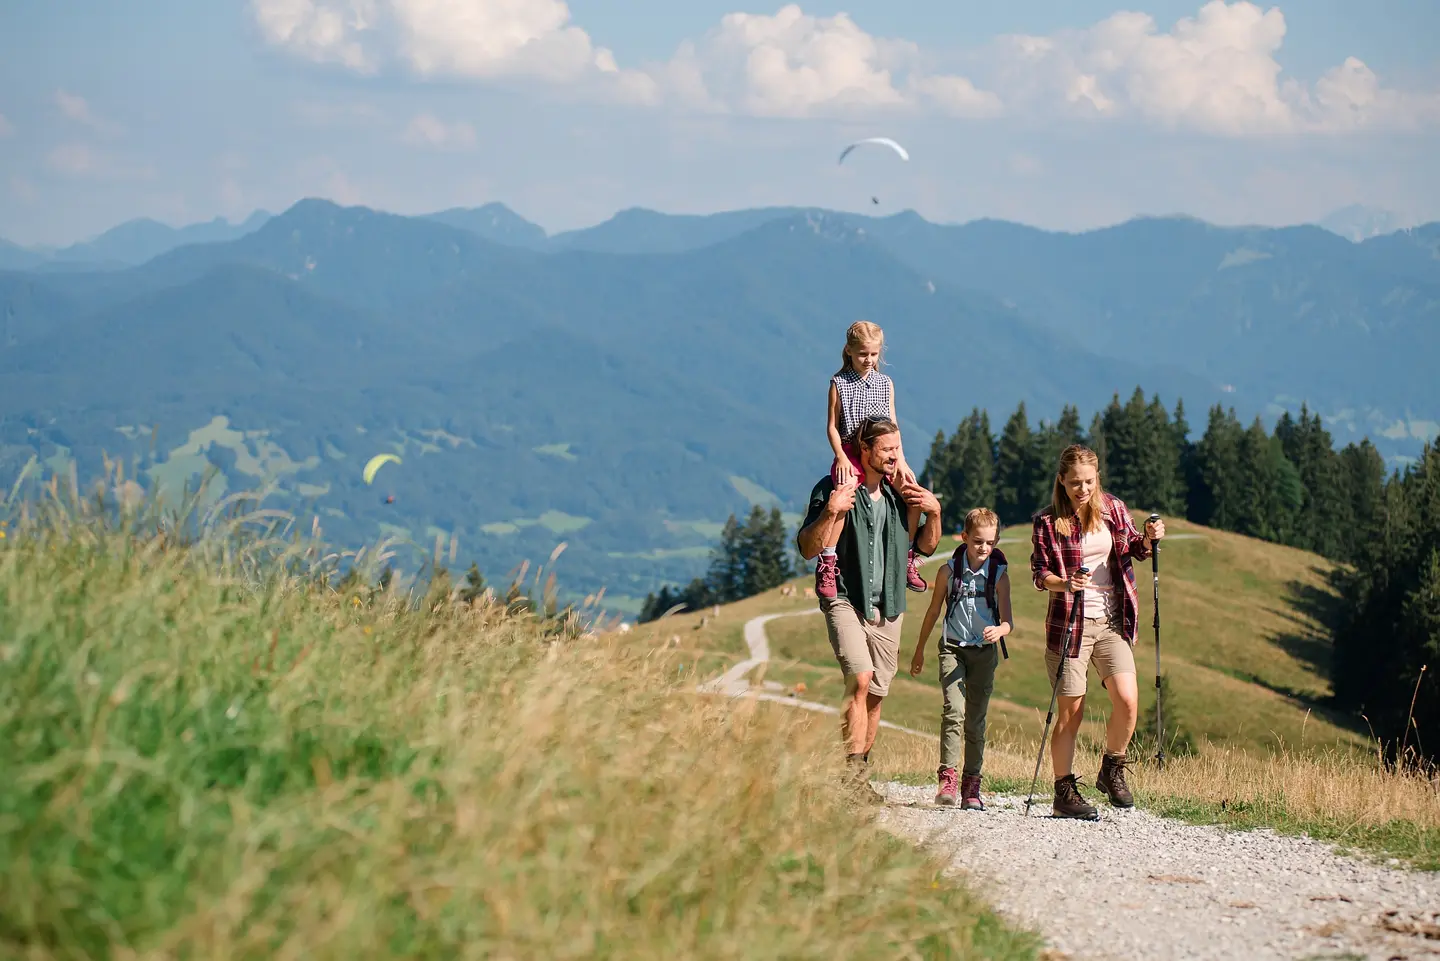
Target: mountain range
{"type": "Point", "coordinates": [625, 387]}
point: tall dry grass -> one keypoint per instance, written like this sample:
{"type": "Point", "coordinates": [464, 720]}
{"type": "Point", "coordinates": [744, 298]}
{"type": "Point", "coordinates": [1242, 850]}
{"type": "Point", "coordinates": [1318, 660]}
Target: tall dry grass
{"type": "Point", "coordinates": [206, 750]}
{"type": "Point", "coordinates": [1333, 794]}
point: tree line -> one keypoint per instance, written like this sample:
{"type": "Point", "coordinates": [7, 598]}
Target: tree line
{"type": "Point", "coordinates": [750, 559]}
{"type": "Point", "coordinates": [1289, 486]}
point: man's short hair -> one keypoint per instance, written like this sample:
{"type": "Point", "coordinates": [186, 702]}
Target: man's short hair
{"type": "Point", "coordinates": [872, 429]}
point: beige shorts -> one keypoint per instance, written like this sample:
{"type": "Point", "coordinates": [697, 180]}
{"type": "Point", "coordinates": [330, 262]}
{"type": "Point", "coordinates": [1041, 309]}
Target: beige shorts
{"type": "Point", "coordinates": [1101, 644]}
{"type": "Point", "coordinates": [861, 647]}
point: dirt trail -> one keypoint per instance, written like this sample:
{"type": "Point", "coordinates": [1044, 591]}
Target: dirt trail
{"type": "Point", "coordinates": [1137, 886]}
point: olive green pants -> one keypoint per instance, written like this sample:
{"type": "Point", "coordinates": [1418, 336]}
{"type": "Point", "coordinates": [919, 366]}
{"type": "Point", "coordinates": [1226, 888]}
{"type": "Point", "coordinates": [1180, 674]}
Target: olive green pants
{"type": "Point", "coordinates": [967, 676]}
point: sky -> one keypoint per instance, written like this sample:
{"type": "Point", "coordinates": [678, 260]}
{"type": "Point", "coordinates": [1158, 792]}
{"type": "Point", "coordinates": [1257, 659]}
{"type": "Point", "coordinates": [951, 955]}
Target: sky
{"type": "Point", "coordinates": [1066, 115]}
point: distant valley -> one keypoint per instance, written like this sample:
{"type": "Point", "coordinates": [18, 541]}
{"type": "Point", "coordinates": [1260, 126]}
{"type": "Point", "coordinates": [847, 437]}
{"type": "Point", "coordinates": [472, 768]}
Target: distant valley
{"type": "Point", "coordinates": [625, 387]}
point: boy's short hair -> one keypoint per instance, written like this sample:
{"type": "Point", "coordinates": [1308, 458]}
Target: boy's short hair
{"type": "Point", "coordinates": [981, 517]}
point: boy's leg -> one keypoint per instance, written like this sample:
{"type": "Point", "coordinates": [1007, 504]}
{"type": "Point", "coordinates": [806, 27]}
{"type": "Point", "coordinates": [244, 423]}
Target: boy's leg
{"type": "Point", "coordinates": [952, 719]}
{"type": "Point", "coordinates": [913, 580]}
{"type": "Point", "coordinates": [980, 682]}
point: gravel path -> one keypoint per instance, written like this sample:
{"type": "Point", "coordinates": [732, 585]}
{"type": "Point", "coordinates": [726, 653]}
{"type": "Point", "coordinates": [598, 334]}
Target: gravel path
{"type": "Point", "coordinates": [1149, 887]}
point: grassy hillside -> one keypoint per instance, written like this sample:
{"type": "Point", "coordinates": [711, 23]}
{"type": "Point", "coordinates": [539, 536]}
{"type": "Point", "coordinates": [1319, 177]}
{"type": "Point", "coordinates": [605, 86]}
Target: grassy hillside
{"type": "Point", "coordinates": [203, 754]}
{"type": "Point", "coordinates": [1241, 645]}
{"type": "Point", "coordinates": [1244, 655]}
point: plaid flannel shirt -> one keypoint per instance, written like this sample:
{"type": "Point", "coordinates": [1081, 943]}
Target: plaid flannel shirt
{"type": "Point", "coordinates": [1053, 553]}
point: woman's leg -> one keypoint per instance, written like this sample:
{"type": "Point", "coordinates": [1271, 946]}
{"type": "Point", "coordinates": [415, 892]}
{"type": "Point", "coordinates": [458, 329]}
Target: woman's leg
{"type": "Point", "coordinates": [1124, 709]}
{"type": "Point", "coordinates": [1070, 711]}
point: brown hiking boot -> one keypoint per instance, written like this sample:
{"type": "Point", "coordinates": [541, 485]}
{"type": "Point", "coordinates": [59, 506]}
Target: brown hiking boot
{"type": "Point", "coordinates": [1111, 780]}
{"type": "Point", "coordinates": [857, 781]}
{"type": "Point", "coordinates": [970, 793]}
{"type": "Point", "coordinates": [827, 566]}
{"type": "Point", "coordinates": [948, 787]}
{"type": "Point", "coordinates": [1068, 802]}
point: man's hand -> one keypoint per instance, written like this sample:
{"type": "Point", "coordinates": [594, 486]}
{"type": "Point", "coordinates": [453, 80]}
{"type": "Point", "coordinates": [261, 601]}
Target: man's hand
{"type": "Point", "coordinates": [842, 498]}
{"type": "Point", "coordinates": [917, 662]}
{"type": "Point", "coordinates": [917, 496]}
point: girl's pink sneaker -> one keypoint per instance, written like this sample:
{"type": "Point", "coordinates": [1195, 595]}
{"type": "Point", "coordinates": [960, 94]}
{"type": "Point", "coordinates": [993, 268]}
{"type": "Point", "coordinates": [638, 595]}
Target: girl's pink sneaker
{"type": "Point", "coordinates": [826, 567]}
{"type": "Point", "coordinates": [913, 580]}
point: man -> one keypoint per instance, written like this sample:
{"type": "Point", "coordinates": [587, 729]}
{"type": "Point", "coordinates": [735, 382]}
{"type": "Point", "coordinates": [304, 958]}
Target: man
{"type": "Point", "coordinates": [863, 619]}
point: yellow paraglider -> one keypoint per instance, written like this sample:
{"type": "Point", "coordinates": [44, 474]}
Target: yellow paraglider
{"type": "Point", "coordinates": [376, 463]}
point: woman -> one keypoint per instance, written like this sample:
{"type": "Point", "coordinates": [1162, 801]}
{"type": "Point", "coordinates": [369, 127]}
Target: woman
{"type": "Point", "coordinates": [1085, 529]}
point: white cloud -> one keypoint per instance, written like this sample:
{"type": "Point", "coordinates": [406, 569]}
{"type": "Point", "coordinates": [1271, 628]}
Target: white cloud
{"type": "Point", "coordinates": [1215, 72]}
{"type": "Point", "coordinates": [469, 39]}
{"type": "Point", "coordinates": [77, 108]}
{"type": "Point", "coordinates": [74, 106]}
{"type": "Point", "coordinates": [82, 160]}
{"type": "Point", "coordinates": [429, 131]}
{"type": "Point", "coordinates": [793, 64]}
{"type": "Point", "coordinates": [72, 158]}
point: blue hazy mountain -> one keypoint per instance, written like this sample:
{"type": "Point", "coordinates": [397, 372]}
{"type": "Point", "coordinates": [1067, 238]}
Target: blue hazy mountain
{"type": "Point", "coordinates": [625, 389]}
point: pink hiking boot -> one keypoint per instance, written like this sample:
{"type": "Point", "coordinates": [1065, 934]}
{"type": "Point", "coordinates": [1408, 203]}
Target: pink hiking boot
{"type": "Point", "coordinates": [826, 567]}
{"type": "Point", "coordinates": [970, 793]}
{"type": "Point", "coordinates": [913, 580]}
{"type": "Point", "coordinates": [949, 786]}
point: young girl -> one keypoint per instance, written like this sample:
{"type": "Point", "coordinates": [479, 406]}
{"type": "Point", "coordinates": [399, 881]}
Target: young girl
{"type": "Point", "coordinates": [857, 391]}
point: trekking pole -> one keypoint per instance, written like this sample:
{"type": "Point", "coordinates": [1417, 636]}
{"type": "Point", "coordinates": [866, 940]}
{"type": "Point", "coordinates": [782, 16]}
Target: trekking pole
{"type": "Point", "coordinates": [1159, 711]}
{"type": "Point", "coordinates": [1054, 693]}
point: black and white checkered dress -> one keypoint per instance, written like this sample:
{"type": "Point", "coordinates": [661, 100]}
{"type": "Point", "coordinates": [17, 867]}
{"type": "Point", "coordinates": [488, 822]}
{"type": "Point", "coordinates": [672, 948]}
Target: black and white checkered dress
{"type": "Point", "coordinates": [861, 398]}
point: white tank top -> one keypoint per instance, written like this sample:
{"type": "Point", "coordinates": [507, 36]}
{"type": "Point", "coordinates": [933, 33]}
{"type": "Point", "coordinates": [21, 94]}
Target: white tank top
{"type": "Point", "coordinates": [1096, 547]}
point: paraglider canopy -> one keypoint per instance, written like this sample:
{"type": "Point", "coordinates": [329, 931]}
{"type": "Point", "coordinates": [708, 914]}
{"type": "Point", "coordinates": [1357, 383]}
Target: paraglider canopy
{"type": "Point", "coordinates": [878, 141]}
{"type": "Point", "coordinates": [376, 462]}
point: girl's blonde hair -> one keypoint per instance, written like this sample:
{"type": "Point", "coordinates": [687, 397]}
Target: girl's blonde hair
{"type": "Point", "coordinates": [861, 332]}
{"type": "Point", "coordinates": [1092, 514]}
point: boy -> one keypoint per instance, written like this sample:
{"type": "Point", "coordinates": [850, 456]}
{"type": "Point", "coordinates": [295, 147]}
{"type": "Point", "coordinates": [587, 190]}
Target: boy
{"type": "Point", "coordinates": [974, 588]}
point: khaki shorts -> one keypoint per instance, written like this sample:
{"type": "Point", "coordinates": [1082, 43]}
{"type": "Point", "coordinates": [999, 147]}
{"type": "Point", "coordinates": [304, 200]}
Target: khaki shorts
{"type": "Point", "coordinates": [861, 647]}
{"type": "Point", "coordinates": [1101, 644]}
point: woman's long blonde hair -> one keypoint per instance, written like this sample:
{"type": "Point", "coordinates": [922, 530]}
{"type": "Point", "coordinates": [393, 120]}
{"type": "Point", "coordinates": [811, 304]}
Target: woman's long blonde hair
{"type": "Point", "coordinates": [861, 332]}
{"type": "Point", "coordinates": [1092, 514]}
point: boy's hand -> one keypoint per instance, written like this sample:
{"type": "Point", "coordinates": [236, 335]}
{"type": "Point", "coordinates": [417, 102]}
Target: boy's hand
{"type": "Point", "coordinates": [917, 663]}
{"type": "Point", "coordinates": [992, 635]}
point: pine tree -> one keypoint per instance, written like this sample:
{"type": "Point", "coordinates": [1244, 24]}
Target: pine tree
{"type": "Point", "coordinates": [1099, 443]}
{"type": "Point", "coordinates": [766, 551]}
{"type": "Point", "coordinates": [1214, 497]}
{"type": "Point", "coordinates": [726, 579]}
{"type": "Point", "coordinates": [1268, 491]}
{"type": "Point", "coordinates": [1185, 477]}
{"type": "Point", "coordinates": [972, 477]}
{"type": "Point", "coordinates": [1050, 441]}
{"type": "Point", "coordinates": [1017, 469]}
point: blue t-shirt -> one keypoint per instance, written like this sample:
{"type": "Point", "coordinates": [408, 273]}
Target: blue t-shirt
{"type": "Point", "coordinates": [967, 618]}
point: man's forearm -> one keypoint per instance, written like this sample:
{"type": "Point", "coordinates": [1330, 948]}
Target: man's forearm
{"type": "Point", "coordinates": [811, 539]}
{"type": "Point", "coordinates": [928, 537]}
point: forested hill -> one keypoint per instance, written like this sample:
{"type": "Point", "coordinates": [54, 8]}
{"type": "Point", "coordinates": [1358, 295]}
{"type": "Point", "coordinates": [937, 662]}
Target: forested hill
{"type": "Point", "coordinates": [627, 388]}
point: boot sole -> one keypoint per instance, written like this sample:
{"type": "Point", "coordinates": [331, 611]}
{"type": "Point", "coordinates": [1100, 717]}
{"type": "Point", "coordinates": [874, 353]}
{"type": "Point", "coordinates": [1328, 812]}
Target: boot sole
{"type": "Point", "coordinates": [1095, 816]}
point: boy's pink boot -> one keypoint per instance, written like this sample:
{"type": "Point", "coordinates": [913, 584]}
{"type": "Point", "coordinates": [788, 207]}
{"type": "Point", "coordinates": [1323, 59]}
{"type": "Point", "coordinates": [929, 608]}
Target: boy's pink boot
{"type": "Point", "coordinates": [827, 566]}
{"type": "Point", "coordinates": [949, 787]}
{"type": "Point", "coordinates": [913, 580]}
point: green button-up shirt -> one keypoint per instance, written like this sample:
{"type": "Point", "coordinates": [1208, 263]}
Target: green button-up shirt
{"type": "Point", "coordinates": [856, 578]}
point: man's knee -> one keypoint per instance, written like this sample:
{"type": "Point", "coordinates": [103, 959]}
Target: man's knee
{"type": "Point", "coordinates": [857, 686]}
